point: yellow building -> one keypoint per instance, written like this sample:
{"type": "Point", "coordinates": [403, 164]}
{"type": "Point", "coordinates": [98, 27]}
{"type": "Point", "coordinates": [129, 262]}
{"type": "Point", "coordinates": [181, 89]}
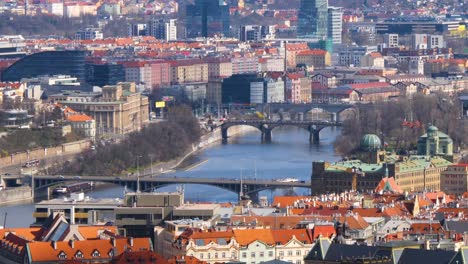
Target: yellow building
{"type": "Point", "coordinates": [119, 109]}
{"type": "Point", "coordinates": [317, 58]}
{"type": "Point", "coordinates": [189, 71]}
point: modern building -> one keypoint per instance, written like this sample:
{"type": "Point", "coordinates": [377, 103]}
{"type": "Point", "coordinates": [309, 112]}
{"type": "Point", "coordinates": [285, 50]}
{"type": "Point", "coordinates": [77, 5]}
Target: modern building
{"type": "Point", "coordinates": [104, 74]}
{"type": "Point", "coordinates": [424, 25]}
{"type": "Point", "coordinates": [119, 109]}
{"type": "Point", "coordinates": [207, 18]}
{"type": "Point", "coordinates": [77, 209]}
{"type": "Point", "coordinates": [253, 89]}
{"type": "Point", "coordinates": [163, 29]}
{"type": "Point", "coordinates": [250, 33]}
{"type": "Point", "coordinates": [89, 34]}
{"type": "Point", "coordinates": [335, 24]}
{"type": "Point", "coordinates": [313, 18]}
{"type": "Point", "coordinates": [242, 65]}
{"type": "Point", "coordinates": [69, 62]}
{"type": "Point", "coordinates": [139, 29]}
{"type": "Point", "coordinates": [391, 40]}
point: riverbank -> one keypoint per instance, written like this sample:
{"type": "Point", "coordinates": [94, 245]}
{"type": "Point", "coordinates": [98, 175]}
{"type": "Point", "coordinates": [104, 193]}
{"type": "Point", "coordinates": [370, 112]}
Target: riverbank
{"type": "Point", "coordinates": [207, 140]}
{"type": "Point", "coordinates": [16, 195]}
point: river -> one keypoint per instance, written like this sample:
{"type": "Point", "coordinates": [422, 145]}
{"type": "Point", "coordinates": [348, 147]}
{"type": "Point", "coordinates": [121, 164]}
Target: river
{"type": "Point", "coordinates": [288, 156]}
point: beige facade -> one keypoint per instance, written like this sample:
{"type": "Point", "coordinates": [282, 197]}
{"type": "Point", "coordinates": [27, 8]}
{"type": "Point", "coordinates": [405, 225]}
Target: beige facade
{"type": "Point", "coordinates": [454, 180]}
{"type": "Point", "coordinates": [316, 58]}
{"type": "Point", "coordinates": [189, 71]}
{"type": "Point", "coordinates": [119, 110]}
{"type": "Point", "coordinates": [306, 90]}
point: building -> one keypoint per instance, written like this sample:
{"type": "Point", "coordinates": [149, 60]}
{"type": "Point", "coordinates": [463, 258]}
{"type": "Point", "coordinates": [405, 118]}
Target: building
{"type": "Point", "coordinates": [391, 40]}
{"type": "Point", "coordinates": [335, 24]}
{"type": "Point", "coordinates": [150, 74]}
{"type": "Point", "coordinates": [219, 67]}
{"type": "Point", "coordinates": [55, 8]}
{"type": "Point", "coordinates": [252, 88]}
{"type": "Point", "coordinates": [58, 241]}
{"type": "Point", "coordinates": [242, 65]}
{"type": "Point", "coordinates": [188, 71]}
{"type": "Point", "coordinates": [77, 209]}
{"type": "Point", "coordinates": [102, 74]}
{"type": "Point", "coordinates": [135, 30]}
{"type": "Point", "coordinates": [352, 55]}
{"type": "Point", "coordinates": [435, 143]}
{"type": "Point", "coordinates": [119, 109]}
{"type": "Point", "coordinates": [15, 119]}
{"type": "Point", "coordinates": [373, 60]}
{"type": "Point", "coordinates": [163, 29]}
{"type": "Point", "coordinates": [413, 173]}
{"type": "Point", "coordinates": [89, 34]}
{"type": "Point", "coordinates": [207, 18]}
{"type": "Point", "coordinates": [250, 33]}
{"type": "Point", "coordinates": [407, 26]}
{"type": "Point", "coordinates": [454, 180]}
{"type": "Point", "coordinates": [76, 9]}
{"type": "Point", "coordinates": [213, 91]}
{"type": "Point", "coordinates": [68, 62]}
{"type": "Point", "coordinates": [316, 58]}
{"type": "Point", "coordinates": [313, 18]}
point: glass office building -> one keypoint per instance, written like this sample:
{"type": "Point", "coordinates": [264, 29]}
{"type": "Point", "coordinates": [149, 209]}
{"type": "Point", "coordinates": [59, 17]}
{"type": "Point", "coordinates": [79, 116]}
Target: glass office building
{"type": "Point", "coordinates": [68, 62]}
{"type": "Point", "coordinates": [313, 18]}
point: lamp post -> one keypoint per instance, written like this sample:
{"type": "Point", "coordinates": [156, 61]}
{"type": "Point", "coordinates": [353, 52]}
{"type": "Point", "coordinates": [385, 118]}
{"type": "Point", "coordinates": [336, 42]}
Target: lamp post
{"type": "Point", "coordinates": [138, 173]}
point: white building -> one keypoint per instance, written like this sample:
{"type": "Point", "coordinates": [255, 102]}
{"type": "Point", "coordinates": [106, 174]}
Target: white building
{"type": "Point", "coordinates": [89, 34]}
{"type": "Point", "coordinates": [256, 92]}
{"type": "Point", "coordinates": [274, 90]}
{"type": "Point", "coordinates": [335, 24]}
{"type": "Point", "coordinates": [164, 29]}
{"type": "Point", "coordinates": [55, 8]}
{"type": "Point", "coordinates": [391, 40]}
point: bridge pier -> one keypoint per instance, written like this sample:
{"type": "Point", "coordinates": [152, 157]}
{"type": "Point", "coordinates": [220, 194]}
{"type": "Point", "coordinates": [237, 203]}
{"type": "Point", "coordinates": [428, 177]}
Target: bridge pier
{"type": "Point", "coordinates": [224, 133]}
{"type": "Point", "coordinates": [314, 136]}
{"type": "Point", "coordinates": [266, 135]}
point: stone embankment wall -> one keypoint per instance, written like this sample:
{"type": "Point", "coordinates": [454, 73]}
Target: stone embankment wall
{"type": "Point", "coordinates": [16, 195]}
{"type": "Point", "coordinates": [43, 153]}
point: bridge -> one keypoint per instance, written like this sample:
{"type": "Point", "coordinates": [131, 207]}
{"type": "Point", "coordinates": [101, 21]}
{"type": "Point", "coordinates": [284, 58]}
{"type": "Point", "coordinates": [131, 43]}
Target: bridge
{"type": "Point", "coordinates": [148, 183]}
{"type": "Point", "coordinates": [335, 108]}
{"type": "Point", "coordinates": [266, 126]}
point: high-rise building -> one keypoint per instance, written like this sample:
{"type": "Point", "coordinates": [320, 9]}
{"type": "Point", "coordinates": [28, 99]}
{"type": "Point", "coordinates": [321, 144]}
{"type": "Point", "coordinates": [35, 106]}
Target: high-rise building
{"type": "Point", "coordinates": [206, 18]}
{"type": "Point", "coordinates": [250, 33]}
{"type": "Point", "coordinates": [313, 18]}
{"type": "Point", "coordinates": [391, 40]}
{"type": "Point", "coordinates": [135, 30]}
{"type": "Point", "coordinates": [335, 24]}
{"type": "Point", "coordinates": [164, 29]}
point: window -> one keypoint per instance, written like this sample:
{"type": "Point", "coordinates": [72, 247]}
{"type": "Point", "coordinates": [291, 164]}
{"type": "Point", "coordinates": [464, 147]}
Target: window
{"type": "Point", "coordinates": [290, 253]}
{"type": "Point", "coordinates": [62, 255]}
{"type": "Point", "coordinates": [298, 261]}
{"type": "Point", "coordinates": [233, 254]}
{"type": "Point", "coordinates": [244, 254]}
{"type": "Point", "coordinates": [270, 253]}
{"type": "Point", "coordinates": [223, 255]}
{"type": "Point", "coordinates": [95, 254]}
{"type": "Point", "coordinates": [281, 253]}
{"type": "Point", "coordinates": [216, 255]}
{"type": "Point", "coordinates": [209, 256]}
{"type": "Point", "coordinates": [79, 254]}
{"type": "Point", "coordinates": [262, 254]}
{"type": "Point", "coordinates": [298, 253]}
{"type": "Point", "coordinates": [252, 254]}
{"type": "Point", "coordinates": [201, 255]}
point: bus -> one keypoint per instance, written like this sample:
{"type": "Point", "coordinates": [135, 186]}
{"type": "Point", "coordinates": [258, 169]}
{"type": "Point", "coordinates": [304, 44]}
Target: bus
{"type": "Point", "coordinates": [31, 163]}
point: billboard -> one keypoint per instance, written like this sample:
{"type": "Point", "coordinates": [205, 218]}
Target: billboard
{"type": "Point", "coordinates": [160, 104]}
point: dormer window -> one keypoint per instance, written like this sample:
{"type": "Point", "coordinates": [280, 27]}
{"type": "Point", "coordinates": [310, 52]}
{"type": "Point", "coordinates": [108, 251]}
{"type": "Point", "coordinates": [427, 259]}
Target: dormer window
{"type": "Point", "coordinates": [96, 254]}
{"type": "Point", "coordinates": [62, 255]}
{"type": "Point", "coordinates": [111, 253]}
{"type": "Point", "coordinates": [79, 255]}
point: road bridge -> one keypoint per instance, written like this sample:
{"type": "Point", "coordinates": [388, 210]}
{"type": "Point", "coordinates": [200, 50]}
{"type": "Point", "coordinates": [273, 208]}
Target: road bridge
{"type": "Point", "coordinates": [148, 183]}
{"type": "Point", "coordinates": [266, 127]}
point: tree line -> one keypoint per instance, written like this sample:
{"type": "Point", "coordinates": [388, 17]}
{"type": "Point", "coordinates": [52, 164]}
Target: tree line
{"type": "Point", "coordinates": [157, 142]}
{"type": "Point", "coordinates": [400, 123]}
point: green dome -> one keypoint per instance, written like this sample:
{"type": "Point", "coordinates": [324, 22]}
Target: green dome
{"type": "Point", "coordinates": [370, 142]}
{"type": "Point", "coordinates": [432, 129]}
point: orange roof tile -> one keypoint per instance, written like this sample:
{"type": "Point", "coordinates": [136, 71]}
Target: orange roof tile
{"type": "Point", "coordinates": [246, 236]}
{"type": "Point", "coordinates": [283, 236]}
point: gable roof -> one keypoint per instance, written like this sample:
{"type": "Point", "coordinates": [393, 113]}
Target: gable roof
{"type": "Point", "coordinates": [283, 236]}
{"type": "Point", "coordinates": [411, 255]}
{"type": "Point", "coordinates": [246, 236]}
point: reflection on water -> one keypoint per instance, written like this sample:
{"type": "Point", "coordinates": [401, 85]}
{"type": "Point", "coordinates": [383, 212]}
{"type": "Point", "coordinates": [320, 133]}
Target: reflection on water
{"type": "Point", "coordinates": [289, 155]}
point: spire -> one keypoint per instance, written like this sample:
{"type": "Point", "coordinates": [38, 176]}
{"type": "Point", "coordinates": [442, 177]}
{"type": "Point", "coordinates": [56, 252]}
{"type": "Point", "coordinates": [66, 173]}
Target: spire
{"type": "Point", "coordinates": [386, 170]}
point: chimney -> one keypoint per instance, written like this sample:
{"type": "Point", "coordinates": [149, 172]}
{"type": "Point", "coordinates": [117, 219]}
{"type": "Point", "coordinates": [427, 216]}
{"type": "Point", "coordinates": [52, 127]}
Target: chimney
{"type": "Point", "coordinates": [130, 241]}
{"type": "Point", "coordinates": [54, 245]}
{"type": "Point", "coordinates": [427, 244]}
{"type": "Point", "coordinates": [72, 243]}
{"type": "Point", "coordinates": [114, 243]}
